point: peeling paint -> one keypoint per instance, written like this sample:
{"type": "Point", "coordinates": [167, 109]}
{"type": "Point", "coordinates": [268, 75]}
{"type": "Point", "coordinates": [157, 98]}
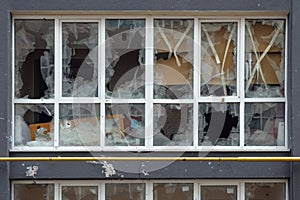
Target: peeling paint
{"type": "Point", "coordinates": [32, 171]}
{"type": "Point", "coordinates": [108, 169]}
{"type": "Point", "coordinates": [145, 173]}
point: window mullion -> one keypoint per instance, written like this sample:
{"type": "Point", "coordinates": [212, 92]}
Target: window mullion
{"type": "Point", "coordinates": [149, 49]}
{"type": "Point", "coordinates": [149, 190]}
{"type": "Point", "coordinates": [57, 78]}
{"type": "Point", "coordinates": [196, 78]}
{"type": "Point", "coordinates": [240, 81]}
{"type": "Point", "coordinates": [101, 70]}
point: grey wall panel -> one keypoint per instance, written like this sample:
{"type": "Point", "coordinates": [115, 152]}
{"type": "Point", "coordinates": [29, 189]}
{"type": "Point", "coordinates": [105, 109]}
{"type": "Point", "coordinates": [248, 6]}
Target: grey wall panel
{"type": "Point", "coordinates": [152, 170]}
{"type": "Point", "coordinates": [176, 170]}
{"type": "Point", "coordinates": [151, 5]}
{"type": "Point", "coordinates": [4, 98]}
{"type": "Point", "coordinates": [294, 96]}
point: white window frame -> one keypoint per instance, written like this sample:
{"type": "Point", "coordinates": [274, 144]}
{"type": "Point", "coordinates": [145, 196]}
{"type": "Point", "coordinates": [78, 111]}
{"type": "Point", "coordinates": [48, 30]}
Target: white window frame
{"type": "Point", "coordinates": [148, 101]}
{"type": "Point", "coordinates": [240, 183]}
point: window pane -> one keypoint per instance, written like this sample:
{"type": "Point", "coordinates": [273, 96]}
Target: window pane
{"type": "Point", "coordinates": [219, 124]}
{"type": "Point", "coordinates": [34, 58]}
{"type": "Point", "coordinates": [228, 192]}
{"type": "Point", "coordinates": [264, 124]}
{"type": "Point", "coordinates": [79, 193]}
{"type": "Point", "coordinates": [79, 124]}
{"type": "Point", "coordinates": [34, 125]}
{"type": "Point", "coordinates": [125, 58]}
{"type": "Point", "coordinates": [125, 125]}
{"type": "Point", "coordinates": [265, 191]}
{"type": "Point", "coordinates": [172, 124]}
{"type": "Point", "coordinates": [124, 191]}
{"type": "Point", "coordinates": [218, 59]}
{"type": "Point", "coordinates": [33, 191]}
{"type": "Point", "coordinates": [79, 59]}
{"type": "Point", "coordinates": [174, 191]}
{"type": "Point", "coordinates": [173, 59]}
{"type": "Point", "coordinates": [264, 58]}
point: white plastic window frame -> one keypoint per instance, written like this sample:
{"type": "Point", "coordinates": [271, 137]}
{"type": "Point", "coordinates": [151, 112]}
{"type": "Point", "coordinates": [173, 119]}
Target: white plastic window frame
{"type": "Point", "coordinates": [149, 100]}
{"type": "Point", "coordinates": [239, 183]}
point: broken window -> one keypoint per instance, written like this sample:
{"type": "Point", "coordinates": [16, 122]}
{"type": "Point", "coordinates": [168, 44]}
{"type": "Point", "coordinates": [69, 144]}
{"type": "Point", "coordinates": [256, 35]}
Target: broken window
{"type": "Point", "coordinates": [267, 191]}
{"type": "Point", "coordinates": [264, 124]}
{"type": "Point", "coordinates": [139, 69]}
{"type": "Point", "coordinates": [174, 191]}
{"type": "Point", "coordinates": [219, 124]}
{"type": "Point", "coordinates": [264, 58]}
{"type": "Point", "coordinates": [125, 58]}
{"type": "Point", "coordinates": [79, 192]}
{"type": "Point", "coordinates": [228, 192]}
{"type": "Point", "coordinates": [125, 191]}
{"type": "Point", "coordinates": [79, 124]}
{"type": "Point", "coordinates": [34, 58]}
{"type": "Point", "coordinates": [173, 59]}
{"type": "Point", "coordinates": [33, 191]}
{"type": "Point", "coordinates": [125, 125]}
{"type": "Point", "coordinates": [79, 59]}
{"type": "Point", "coordinates": [218, 59]}
{"type": "Point", "coordinates": [172, 124]}
{"type": "Point", "coordinates": [34, 125]}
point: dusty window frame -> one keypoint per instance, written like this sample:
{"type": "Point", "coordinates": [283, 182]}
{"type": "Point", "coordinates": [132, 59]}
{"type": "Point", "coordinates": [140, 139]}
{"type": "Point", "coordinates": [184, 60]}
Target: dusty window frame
{"type": "Point", "coordinates": [148, 101]}
{"type": "Point", "coordinates": [149, 184]}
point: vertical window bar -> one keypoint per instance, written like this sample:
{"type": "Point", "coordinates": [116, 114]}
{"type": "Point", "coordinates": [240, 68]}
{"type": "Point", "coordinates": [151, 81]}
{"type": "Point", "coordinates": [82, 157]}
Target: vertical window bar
{"type": "Point", "coordinates": [196, 79]}
{"type": "Point", "coordinates": [149, 82]}
{"type": "Point", "coordinates": [241, 82]}
{"type": "Point", "coordinates": [57, 77]}
{"type": "Point", "coordinates": [102, 81]}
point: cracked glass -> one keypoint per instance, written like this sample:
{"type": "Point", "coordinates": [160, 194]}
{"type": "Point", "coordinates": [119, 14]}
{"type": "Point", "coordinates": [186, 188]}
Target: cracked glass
{"type": "Point", "coordinates": [34, 58]}
{"type": "Point", "coordinates": [264, 58]}
{"type": "Point", "coordinates": [79, 124]}
{"type": "Point", "coordinates": [125, 58]}
{"type": "Point", "coordinates": [125, 125]}
{"type": "Point", "coordinates": [34, 125]}
{"type": "Point", "coordinates": [219, 124]}
{"type": "Point", "coordinates": [79, 59]}
{"type": "Point", "coordinates": [218, 59]}
{"type": "Point", "coordinates": [173, 58]}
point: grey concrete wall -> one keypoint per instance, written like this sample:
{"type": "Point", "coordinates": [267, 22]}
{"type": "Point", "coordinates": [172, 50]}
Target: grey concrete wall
{"type": "Point", "coordinates": [212, 5]}
{"type": "Point", "coordinates": [83, 170]}
{"type": "Point", "coordinates": [5, 66]}
{"type": "Point", "coordinates": [294, 102]}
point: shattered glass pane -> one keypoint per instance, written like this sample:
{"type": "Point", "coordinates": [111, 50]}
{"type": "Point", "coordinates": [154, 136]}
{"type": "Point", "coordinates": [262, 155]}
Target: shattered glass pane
{"type": "Point", "coordinates": [172, 124]}
{"type": "Point", "coordinates": [79, 59]}
{"type": "Point", "coordinates": [79, 192]}
{"type": "Point", "coordinates": [125, 58]}
{"type": "Point", "coordinates": [264, 124]}
{"type": "Point", "coordinates": [264, 58]}
{"type": "Point", "coordinates": [218, 59]}
{"type": "Point", "coordinates": [34, 58]}
{"type": "Point", "coordinates": [219, 124]}
{"type": "Point", "coordinates": [182, 191]}
{"type": "Point", "coordinates": [274, 191]}
{"type": "Point", "coordinates": [33, 191]}
{"type": "Point", "coordinates": [34, 125]}
{"type": "Point", "coordinates": [226, 192]}
{"type": "Point", "coordinates": [125, 125]}
{"type": "Point", "coordinates": [79, 124]}
{"type": "Point", "coordinates": [173, 59]}
{"type": "Point", "coordinates": [125, 191]}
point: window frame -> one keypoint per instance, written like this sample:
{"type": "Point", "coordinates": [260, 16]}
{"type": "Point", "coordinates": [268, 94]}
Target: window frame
{"type": "Point", "coordinates": [239, 183]}
{"type": "Point", "coordinates": [149, 100]}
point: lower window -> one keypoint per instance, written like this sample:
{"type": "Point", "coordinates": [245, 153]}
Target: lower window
{"type": "Point", "coordinates": [156, 190]}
